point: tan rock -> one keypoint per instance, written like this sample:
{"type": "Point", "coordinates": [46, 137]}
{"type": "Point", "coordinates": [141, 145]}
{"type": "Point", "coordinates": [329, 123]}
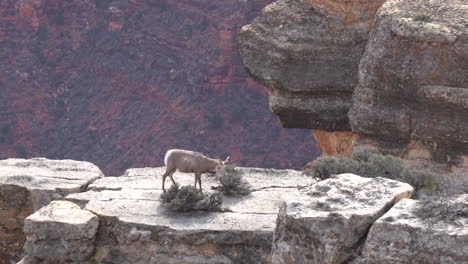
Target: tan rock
{"type": "Point", "coordinates": [328, 223]}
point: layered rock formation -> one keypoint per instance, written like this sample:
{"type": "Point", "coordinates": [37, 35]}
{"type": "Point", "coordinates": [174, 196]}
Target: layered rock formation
{"type": "Point", "coordinates": [26, 186]}
{"type": "Point", "coordinates": [307, 54]}
{"type": "Point", "coordinates": [412, 97]}
{"type": "Point", "coordinates": [118, 82]}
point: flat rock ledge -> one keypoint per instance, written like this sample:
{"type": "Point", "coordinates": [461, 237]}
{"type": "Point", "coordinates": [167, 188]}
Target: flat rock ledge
{"type": "Point", "coordinates": [414, 232]}
{"type": "Point", "coordinates": [330, 220]}
{"type": "Point", "coordinates": [136, 228]}
{"type": "Point", "coordinates": [26, 186]}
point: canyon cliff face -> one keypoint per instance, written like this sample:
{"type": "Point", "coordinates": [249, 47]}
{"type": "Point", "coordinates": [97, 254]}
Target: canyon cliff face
{"type": "Point", "coordinates": [120, 82]}
{"type": "Point", "coordinates": [307, 53]}
{"type": "Point", "coordinates": [411, 84]}
{"type": "Point", "coordinates": [412, 97]}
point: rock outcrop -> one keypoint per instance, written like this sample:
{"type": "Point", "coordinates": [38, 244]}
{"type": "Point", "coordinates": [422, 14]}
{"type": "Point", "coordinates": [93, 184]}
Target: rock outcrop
{"type": "Point", "coordinates": [136, 228]}
{"type": "Point", "coordinates": [412, 96]}
{"type": "Point", "coordinates": [26, 186]}
{"type": "Point", "coordinates": [330, 221]}
{"type": "Point", "coordinates": [307, 53]}
{"type": "Point", "coordinates": [411, 87]}
{"type": "Point", "coordinates": [420, 233]}
{"type": "Point", "coordinates": [61, 230]}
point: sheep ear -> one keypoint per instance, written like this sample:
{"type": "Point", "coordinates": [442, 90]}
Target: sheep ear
{"type": "Point", "coordinates": [227, 159]}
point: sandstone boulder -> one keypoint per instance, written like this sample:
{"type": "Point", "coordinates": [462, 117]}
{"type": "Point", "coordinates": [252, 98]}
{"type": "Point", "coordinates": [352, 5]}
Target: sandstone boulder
{"type": "Point", "coordinates": [61, 230]}
{"type": "Point", "coordinates": [307, 54]}
{"type": "Point", "coordinates": [420, 233]}
{"type": "Point", "coordinates": [26, 186]}
{"type": "Point", "coordinates": [330, 221]}
{"type": "Point", "coordinates": [412, 95]}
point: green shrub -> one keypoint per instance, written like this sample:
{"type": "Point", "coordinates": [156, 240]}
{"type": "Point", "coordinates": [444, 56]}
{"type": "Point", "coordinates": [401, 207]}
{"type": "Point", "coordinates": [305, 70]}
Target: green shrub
{"type": "Point", "coordinates": [189, 198]}
{"type": "Point", "coordinates": [216, 121]}
{"type": "Point", "coordinates": [149, 138]}
{"type": "Point", "coordinates": [232, 182]}
{"type": "Point", "coordinates": [363, 154]}
{"type": "Point", "coordinates": [367, 162]}
{"type": "Point", "coordinates": [42, 33]}
{"type": "Point", "coordinates": [21, 151]}
{"type": "Point", "coordinates": [52, 63]}
{"type": "Point", "coordinates": [6, 130]}
{"type": "Point", "coordinates": [422, 18]}
{"type": "Point", "coordinates": [324, 167]}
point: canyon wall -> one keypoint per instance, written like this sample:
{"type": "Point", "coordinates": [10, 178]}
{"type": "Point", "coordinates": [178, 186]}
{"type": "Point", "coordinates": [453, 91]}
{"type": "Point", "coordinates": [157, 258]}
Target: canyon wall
{"type": "Point", "coordinates": [405, 67]}
{"type": "Point", "coordinates": [412, 96]}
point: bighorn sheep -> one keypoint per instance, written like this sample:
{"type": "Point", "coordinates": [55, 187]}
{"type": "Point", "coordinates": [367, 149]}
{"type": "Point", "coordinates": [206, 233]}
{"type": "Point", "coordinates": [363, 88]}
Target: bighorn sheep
{"type": "Point", "coordinates": [189, 162]}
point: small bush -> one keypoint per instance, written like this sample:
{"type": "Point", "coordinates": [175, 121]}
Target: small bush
{"type": "Point", "coordinates": [422, 18]}
{"type": "Point", "coordinates": [363, 154]}
{"type": "Point", "coordinates": [189, 198]}
{"type": "Point", "coordinates": [324, 167]}
{"type": "Point", "coordinates": [216, 121]}
{"type": "Point", "coordinates": [368, 162]}
{"type": "Point", "coordinates": [232, 182]}
{"type": "Point", "coordinates": [21, 151]}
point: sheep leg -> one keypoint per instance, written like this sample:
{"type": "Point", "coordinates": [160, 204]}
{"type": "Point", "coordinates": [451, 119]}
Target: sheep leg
{"type": "Point", "coordinates": [198, 177]}
{"type": "Point", "coordinates": [172, 179]}
{"type": "Point", "coordinates": [167, 173]}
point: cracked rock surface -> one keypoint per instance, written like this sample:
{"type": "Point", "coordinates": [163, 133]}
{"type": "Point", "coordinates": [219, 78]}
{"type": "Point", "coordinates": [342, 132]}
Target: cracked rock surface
{"type": "Point", "coordinates": [61, 230]}
{"type": "Point", "coordinates": [420, 233]}
{"type": "Point", "coordinates": [135, 228]}
{"type": "Point", "coordinates": [330, 220]}
{"type": "Point", "coordinates": [26, 186]}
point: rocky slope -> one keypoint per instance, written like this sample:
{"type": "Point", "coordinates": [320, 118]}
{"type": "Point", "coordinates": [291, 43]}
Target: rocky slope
{"type": "Point", "coordinates": [119, 82]}
{"type": "Point", "coordinates": [411, 95]}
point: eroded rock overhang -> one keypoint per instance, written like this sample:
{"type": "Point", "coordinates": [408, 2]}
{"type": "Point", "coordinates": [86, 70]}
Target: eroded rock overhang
{"type": "Point", "coordinates": [307, 54]}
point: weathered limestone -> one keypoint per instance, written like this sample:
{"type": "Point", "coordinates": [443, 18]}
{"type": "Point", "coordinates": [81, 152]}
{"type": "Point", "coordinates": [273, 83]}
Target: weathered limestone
{"type": "Point", "coordinates": [26, 186]}
{"type": "Point", "coordinates": [329, 222]}
{"type": "Point", "coordinates": [61, 230]}
{"type": "Point", "coordinates": [307, 53]}
{"type": "Point", "coordinates": [420, 233]}
{"type": "Point", "coordinates": [412, 96]}
{"type": "Point", "coordinates": [136, 228]}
